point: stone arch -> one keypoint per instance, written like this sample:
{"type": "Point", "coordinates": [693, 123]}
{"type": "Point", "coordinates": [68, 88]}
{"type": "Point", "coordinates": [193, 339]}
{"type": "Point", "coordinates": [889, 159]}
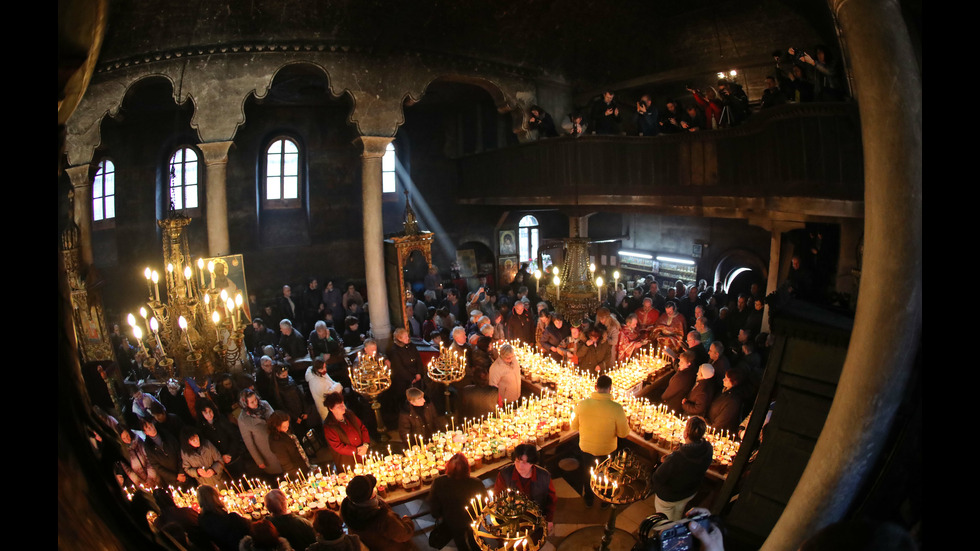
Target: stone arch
{"type": "Point", "coordinates": [516, 102]}
{"type": "Point", "coordinates": [734, 259]}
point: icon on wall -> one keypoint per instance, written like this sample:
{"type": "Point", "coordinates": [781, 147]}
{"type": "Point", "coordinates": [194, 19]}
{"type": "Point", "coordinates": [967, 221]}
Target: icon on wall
{"type": "Point", "coordinates": [508, 243]}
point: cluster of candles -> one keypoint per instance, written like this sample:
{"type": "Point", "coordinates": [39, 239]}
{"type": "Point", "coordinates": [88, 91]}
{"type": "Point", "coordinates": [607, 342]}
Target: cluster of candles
{"type": "Point", "coordinates": [653, 421]}
{"type": "Point", "coordinates": [233, 308]}
{"type": "Point", "coordinates": [369, 375]}
{"type": "Point", "coordinates": [511, 520]}
{"type": "Point", "coordinates": [447, 367]}
{"type": "Point", "coordinates": [486, 439]}
{"type": "Point", "coordinates": [615, 472]}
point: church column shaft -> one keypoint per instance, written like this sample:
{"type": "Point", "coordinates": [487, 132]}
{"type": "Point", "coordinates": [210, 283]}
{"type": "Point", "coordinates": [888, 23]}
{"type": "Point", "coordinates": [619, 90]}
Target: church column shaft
{"type": "Point", "coordinates": [373, 149]}
{"type": "Point", "coordinates": [216, 162]}
{"type": "Point", "coordinates": [81, 181]}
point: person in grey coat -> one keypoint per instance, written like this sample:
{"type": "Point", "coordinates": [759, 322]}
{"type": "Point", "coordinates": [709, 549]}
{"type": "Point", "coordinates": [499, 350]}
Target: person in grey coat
{"type": "Point", "coordinates": [200, 459]}
{"type": "Point", "coordinates": [255, 431]}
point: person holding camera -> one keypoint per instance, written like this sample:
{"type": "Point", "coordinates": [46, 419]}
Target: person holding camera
{"type": "Point", "coordinates": [710, 104]}
{"type": "Point", "coordinates": [541, 121]}
{"type": "Point", "coordinates": [670, 120]}
{"type": "Point", "coordinates": [735, 104]}
{"type": "Point", "coordinates": [676, 481]}
{"type": "Point", "coordinates": [605, 119]}
{"type": "Point", "coordinates": [828, 85]}
{"type": "Point", "coordinates": [647, 119]}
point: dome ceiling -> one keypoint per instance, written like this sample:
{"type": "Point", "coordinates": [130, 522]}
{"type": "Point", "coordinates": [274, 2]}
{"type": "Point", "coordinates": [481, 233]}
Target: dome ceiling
{"type": "Point", "coordinates": [587, 42]}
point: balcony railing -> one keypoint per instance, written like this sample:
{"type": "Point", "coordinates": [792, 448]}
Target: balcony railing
{"type": "Point", "coordinates": [803, 150]}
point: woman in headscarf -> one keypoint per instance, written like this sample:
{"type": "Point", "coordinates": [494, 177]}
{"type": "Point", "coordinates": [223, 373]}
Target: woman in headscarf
{"type": "Point", "coordinates": [255, 431]}
{"type": "Point", "coordinates": [138, 468]}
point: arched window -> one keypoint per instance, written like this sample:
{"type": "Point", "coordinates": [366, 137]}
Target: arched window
{"type": "Point", "coordinates": [528, 239]}
{"type": "Point", "coordinates": [104, 192]}
{"type": "Point", "coordinates": [282, 174]}
{"type": "Point", "coordinates": [183, 179]}
{"type": "Point", "coordinates": [388, 180]}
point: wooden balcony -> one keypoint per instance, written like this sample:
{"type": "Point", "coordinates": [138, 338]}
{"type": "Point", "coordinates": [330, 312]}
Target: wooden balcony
{"type": "Point", "coordinates": [797, 158]}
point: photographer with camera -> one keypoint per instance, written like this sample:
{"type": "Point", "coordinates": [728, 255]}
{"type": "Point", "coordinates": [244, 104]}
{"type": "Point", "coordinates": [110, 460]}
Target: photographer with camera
{"type": "Point", "coordinates": [605, 119]}
{"type": "Point", "coordinates": [710, 104]}
{"type": "Point", "coordinates": [670, 120]}
{"type": "Point", "coordinates": [827, 86]}
{"type": "Point", "coordinates": [735, 104]}
{"type": "Point", "coordinates": [657, 533]}
{"type": "Point", "coordinates": [541, 121]}
{"type": "Point", "coordinates": [646, 117]}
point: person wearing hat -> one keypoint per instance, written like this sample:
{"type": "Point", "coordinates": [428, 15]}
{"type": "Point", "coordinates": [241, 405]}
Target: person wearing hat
{"type": "Point", "coordinates": [321, 384]}
{"type": "Point", "coordinates": [417, 416]}
{"type": "Point", "coordinates": [698, 400]}
{"type": "Point", "coordinates": [372, 520]}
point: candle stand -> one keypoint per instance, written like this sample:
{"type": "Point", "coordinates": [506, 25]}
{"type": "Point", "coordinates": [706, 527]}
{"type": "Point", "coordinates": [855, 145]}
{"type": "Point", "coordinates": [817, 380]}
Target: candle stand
{"type": "Point", "coordinates": [619, 480]}
{"type": "Point", "coordinates": [509, 521]}
{"type": "Point", "coordinates": [447, 368]}
{"type": "Point", "coordinates": [370, 377]}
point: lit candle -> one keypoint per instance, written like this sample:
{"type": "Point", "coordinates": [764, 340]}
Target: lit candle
{"type": "Point", "coordinates": [216, 318]}
{"type": "Point", "coordinates": [156, 284]}
{"type": "Point", "coordinates": [149, 290]}
{"type": "Point", "coordinates": [200, 270]}
{"type": "Point", "coordinates": [155, 327]}
{"type": "Point", "coordinates": [183, 327]}
{"type": "Point", "coordinates": [207, 302]}
{"type": "Point", "coordinates": [537, 280]}
{"type": "Point", "coordinates": [187, 281]}
{"type": "Point", "coordinates": [592, 267]}
{"type": "Point", "coordinates": [557, 287]}
{"type": "Point", "coordinates": [238, 304]}
{"type": "Point", "coordinates": [211, 269]}
{"type": "Point", "coordinates": [598, 283]}
{"type": "Point", "coordinates": [139, 338]}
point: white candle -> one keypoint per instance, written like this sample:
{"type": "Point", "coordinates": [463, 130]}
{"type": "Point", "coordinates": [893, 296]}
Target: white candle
{"type": "Point", "coordinates": [211, 269]}
{"type": "Point", "coordinates": [200, 270]}
{"type": "Point", "coordinates": [156, 284]}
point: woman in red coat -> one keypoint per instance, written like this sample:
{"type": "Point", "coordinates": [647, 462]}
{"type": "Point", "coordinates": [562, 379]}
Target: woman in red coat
{"type": "Point", "coordinates": [345, 433]}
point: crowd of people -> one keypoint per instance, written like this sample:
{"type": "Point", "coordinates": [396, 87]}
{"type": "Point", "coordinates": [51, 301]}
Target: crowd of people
{"type": "Point", "coordinates": [796, 77]}
{"type": "Point", "coordinates": [287, 418]}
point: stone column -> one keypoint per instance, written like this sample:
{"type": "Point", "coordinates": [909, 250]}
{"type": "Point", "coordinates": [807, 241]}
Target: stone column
{"type": "Point", "coordinates": [81, 183]}
{"type": "Point", "coordinates": [887, 330]}
{"type": "Point", "coordinates": [216, 161]}
{"type": "Point", "coordinates": [372, 149]}
{"type": "Point", "coordinates": [778, 252]}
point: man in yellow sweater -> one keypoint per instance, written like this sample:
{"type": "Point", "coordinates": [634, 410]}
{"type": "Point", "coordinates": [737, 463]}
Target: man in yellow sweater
{"type": "Point", "coordinates": [599, 422]}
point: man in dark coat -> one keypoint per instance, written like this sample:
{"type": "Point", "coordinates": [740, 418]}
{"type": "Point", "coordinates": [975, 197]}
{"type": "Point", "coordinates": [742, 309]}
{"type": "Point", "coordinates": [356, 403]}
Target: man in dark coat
{"type": "Point", "coordinates": [417, 417]}
{"type": "Point", "coordinates": [681, 383]}
{"type": "Point", "coordinates": [519, 325]}
{"type": "Point", "coordinates": [698, 400]}
{"type": "Point", "coordinates": [371, 519]}
{"type": "Point", "coordinates": [289, 307]}
{"type": "Point", "coordinates": [725, 411]}
{"type": "Point", "coordinates": [295, 529]}
{"type": "Point", "coordinates": [407, 369]}
{"type": "Point", "coordinates": [695, 345]}
{"type": "Point", "coordinates": [719, 361]}
{"type": "Point", "coordinates": [163, 453]}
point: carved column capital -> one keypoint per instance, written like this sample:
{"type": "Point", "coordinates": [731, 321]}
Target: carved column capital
{"type": "Point", "coordinates": [372, 146]}
{"type": "Point", "coordinates": [215, 152]}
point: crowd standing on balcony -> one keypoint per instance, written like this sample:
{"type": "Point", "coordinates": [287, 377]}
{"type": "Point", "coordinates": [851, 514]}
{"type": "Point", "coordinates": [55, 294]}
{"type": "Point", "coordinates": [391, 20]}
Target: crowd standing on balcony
{"type": "Point", "coordinates": [797, 76]}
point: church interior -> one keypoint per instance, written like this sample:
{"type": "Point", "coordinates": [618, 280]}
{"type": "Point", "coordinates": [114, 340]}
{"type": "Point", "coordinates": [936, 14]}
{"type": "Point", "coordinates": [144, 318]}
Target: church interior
{"type": "Point", "coordinates": [299, 141]}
